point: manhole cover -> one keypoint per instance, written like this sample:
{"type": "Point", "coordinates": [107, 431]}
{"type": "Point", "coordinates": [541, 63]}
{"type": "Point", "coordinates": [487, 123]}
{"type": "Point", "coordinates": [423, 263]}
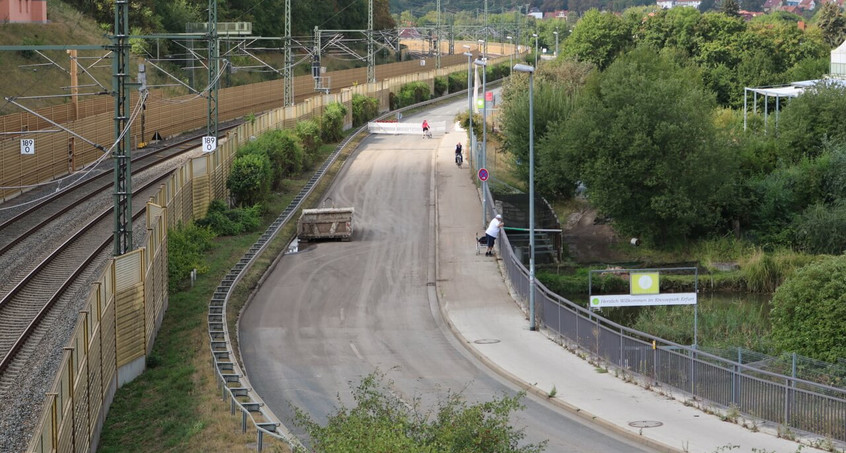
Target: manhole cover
{"type": "Point", "coordinates": [486, 341]}
{"type": "Point", "coordinates": [645, 424]}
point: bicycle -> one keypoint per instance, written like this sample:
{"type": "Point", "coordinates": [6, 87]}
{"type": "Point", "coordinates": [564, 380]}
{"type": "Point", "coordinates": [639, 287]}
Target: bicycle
{"type": "Point", "coordinates": [427, 133]}
{"type": "Point", "coordinates": [459, 159]}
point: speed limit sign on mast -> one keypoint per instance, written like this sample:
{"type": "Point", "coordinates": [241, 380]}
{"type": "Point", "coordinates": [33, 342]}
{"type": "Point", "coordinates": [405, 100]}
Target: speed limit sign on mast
{"type": "Point", "coordinates": [27, 146]}
{"type": "Point", "coordinates": [209, 144]}
{"type": "Point", "coordinates": [483, 174]}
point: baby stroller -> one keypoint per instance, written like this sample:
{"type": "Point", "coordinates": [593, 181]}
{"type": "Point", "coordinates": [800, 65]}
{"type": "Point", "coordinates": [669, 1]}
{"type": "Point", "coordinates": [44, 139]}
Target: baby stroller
{"type": "Point", "coordinates": [481, 243]}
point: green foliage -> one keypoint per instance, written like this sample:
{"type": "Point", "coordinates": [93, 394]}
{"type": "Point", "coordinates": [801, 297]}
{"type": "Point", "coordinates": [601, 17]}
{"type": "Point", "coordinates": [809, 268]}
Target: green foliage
{"type": "Point", "coordinates": [642, 140]}
{"type": "Point", "coordinates": [463, 119]}
{"type": "Point", "coordinates": [412, 93]}
{"type": "Point", "coordinates": [186, 245]}
{"type": "Point", "coordinates": [381, 422]}
{"type": "Point", "coordinates": [440, 86]}
{"type": "Point", "coordinates": [822, 228]}
{"type": "Point", "coordinates": [832, 23]}
{"type": "Point", "coordinates": [720, 326]}
{"type": "Point", "coordinates": [308, 132]}
{"type": "Point", "coordinates": [249, 180]}
{"type": "Point", "coordinates": [598, 38]}
{"type": "Point", "coordinates": [764, 272]}
{"type": "Point", "coordinates": [457, 81]}
{"type": "Point", "coordinates": [809, 311]}
{"type": "Point", "coordinates": [230, 222]}
{"type": "Point", "coordinates": [810, 120]}
{"type": "Point", "coordinates": [33, 41]}
{"type": "Point", "coordinates": [364, 109]}
{"type": "Point", "coordinates": [332, 123]}
{"type": "Point", "coordinates": [283, 150]}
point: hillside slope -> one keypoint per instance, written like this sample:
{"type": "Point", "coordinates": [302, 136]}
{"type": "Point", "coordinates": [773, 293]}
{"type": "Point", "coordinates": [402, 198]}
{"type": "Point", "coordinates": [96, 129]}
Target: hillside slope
{"type": "Point", "coordinates": [29, 74]}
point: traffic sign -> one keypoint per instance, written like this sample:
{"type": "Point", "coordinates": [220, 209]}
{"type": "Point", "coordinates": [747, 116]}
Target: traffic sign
{"type": "Point", "coordinates": [483, 174]}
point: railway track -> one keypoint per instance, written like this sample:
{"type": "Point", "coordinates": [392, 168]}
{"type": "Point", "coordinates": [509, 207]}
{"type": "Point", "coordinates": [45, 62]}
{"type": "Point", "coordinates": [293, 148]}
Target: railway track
{"type": "Point", "coordinates": [40, 276]}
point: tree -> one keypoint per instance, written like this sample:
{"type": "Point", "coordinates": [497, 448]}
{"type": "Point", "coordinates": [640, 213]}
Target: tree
{"type": "Point", "coordinates": [598, 38]}
{"type": "Point", "coordinates": [809, 311]}
{"type": "Point", "coordinates": [832, 23]}
{"type": "Point", "coordinates": [730, 8]}
{"type": "Point", "coordinates": [381, 422]}
{"type": "Point", "coordinates": [643, 141]}
{"type": "Point", "coordinates": [811, 119]}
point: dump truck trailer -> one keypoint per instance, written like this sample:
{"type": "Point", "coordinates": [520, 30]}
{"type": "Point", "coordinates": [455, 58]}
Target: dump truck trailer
{"type": "Point", "coordinates": [325, 223]}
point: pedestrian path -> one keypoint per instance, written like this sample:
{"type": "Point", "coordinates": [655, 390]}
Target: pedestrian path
{"type": "Point", "coordinates": [478, 307]}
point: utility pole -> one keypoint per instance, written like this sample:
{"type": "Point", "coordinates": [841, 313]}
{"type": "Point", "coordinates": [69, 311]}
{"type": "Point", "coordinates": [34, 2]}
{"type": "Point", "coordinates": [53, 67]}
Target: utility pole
{"type": "Point", "coordinates": [214, 70]}
{"type": "Point", "coordinates": [121, 154]}
{"type": "Point", "coordinates": [74, 83]}
{"type": "Point", "coordinates": [438, 39]}
{"type": "Point", "coordinates": [288, 70]}
{"type": "Point", "coordinates": [371, 57]}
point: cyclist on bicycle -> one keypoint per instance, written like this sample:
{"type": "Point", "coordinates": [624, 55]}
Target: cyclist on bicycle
{"type": "Point", "coordinates": [458, 157]}
{"type": "Point", "coordinates": [425, 128]}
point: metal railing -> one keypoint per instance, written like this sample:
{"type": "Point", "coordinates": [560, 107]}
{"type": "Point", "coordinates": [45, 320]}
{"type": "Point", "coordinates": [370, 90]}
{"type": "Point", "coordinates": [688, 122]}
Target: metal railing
{"type": "Point", "coordinates": [786, 400]}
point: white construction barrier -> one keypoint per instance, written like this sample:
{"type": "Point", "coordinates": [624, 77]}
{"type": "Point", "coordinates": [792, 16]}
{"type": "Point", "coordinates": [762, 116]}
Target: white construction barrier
{"type": "Point", "coordinates": [396, 128]}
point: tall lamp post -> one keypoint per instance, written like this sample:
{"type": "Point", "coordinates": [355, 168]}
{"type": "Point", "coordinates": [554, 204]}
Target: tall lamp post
{"type": "Point", "coordinates": [531, 71]}
{"type": "Point", "coordinates": [469, 97]}
{"type": "Point", "coordinates": [535, 35]}
{"type": "Point", "coordinates": [511, 55]}
{"type": "Point", "coordinates": [483, 62]}
{"type": "Point", "coordinates": [556, 43]}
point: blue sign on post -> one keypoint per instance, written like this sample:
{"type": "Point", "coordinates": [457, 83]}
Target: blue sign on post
{"type": "Point", "coordinates": [483, 174]}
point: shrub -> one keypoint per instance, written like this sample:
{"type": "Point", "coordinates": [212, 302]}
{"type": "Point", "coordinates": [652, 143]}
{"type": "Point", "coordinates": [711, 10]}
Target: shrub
{"type": "Point", "coordinates": [364, 108]}
{"type": "Point", "coordinates": [822, 228]}
{"type": "Point", "coordinates": [230, 222]}
{"type": "Point", "coordinates": [764, 272]}
{"type": "Point", "coordinates": [380, 421]}
{"type": "Point", "coordinates": [413, 93]}
{"type": "Point", "coordinates": [332, 123]}
{"type": "Point", "coordinates": [309, 133]}
{"type": "Point", "coordinates": [809, 311]}
{"type": "Point", "coordinates": [440, 86]}
{"type": "Point", "coordinates": [186, 245]}
{"type": "Point", "coordinates": [284, 151]}
{"type": "Point", "coordinates": [457, 81]}
{"type": "Point", "coordinates": [249, 179]}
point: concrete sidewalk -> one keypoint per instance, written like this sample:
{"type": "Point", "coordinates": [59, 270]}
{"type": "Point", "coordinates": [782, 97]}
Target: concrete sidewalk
{"type": "Point", "coordinates": [478, 307]}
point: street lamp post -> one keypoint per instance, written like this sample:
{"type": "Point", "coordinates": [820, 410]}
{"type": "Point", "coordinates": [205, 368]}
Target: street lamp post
{"type": "Point", "coordinates": [556, 43]}
{"type": "Point", "coordinates": [483, 62]}
{"type": "Point", "coordinates": [531, 71]}
{"type": "Point", "coordinates": [535, 35]}
{"type": "Point", "coordinates": [469, 97]}
{"type": "Point", "coordinates": [511, 55]}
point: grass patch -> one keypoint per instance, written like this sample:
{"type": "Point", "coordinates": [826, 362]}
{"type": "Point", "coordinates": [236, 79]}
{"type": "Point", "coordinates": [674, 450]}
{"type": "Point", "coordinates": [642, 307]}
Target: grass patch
{"type": "Point", "coordinates": [175, 405]}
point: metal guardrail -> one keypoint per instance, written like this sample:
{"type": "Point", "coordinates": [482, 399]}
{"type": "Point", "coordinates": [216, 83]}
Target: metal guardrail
{"type": "Point", "coordinates": [232, 379]}
{"type": "Point", "coordinates": [790, 402]}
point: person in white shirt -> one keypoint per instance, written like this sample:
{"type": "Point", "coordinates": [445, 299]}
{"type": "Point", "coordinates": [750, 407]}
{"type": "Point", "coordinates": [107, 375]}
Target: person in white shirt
{"type": "Point", "coordinates": [492, 232]}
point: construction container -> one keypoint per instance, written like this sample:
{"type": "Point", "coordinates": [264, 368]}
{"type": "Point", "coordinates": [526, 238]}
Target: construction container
{"type": "Point", "coordinates": [325, 223]}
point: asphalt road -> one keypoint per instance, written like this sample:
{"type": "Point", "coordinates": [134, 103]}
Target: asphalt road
{"type": "Point", "coordinates": [336, 311]}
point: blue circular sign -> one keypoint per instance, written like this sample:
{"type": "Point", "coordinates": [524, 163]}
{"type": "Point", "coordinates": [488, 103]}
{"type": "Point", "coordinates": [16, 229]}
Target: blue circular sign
{"type": "Point", "coordinates": [483, 174]}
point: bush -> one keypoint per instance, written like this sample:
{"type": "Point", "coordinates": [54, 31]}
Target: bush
{"type": "Point", "coordinates": [822, 228]}
{"type": "Point", "coordinates": [809, 311]}
{"type": "Point", "coordinates": [186, 245]}
{"type": "Point", "coordinates": [382, 422]}
{"type": "Point", "coordinates": [457, 81]}
{"type": "Point", "coordinates": [332, 123]}
{"type": "Point", "coordinates": [284, 151]}
{"type": "Point", "coordinates": [249, 179]}
{"type": "Point", "coordinates": [364, 109]}
{"type": "Point", "coordinates": [440, 86]}
{"type": "Point", "coordinates": [230, 222]}
{"type": "Point", "coordinates": [413, 93]}
{"type": "Point", "coordinates": [764, 272]}
{"type": "Point", "coordinates": [308, 132]}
